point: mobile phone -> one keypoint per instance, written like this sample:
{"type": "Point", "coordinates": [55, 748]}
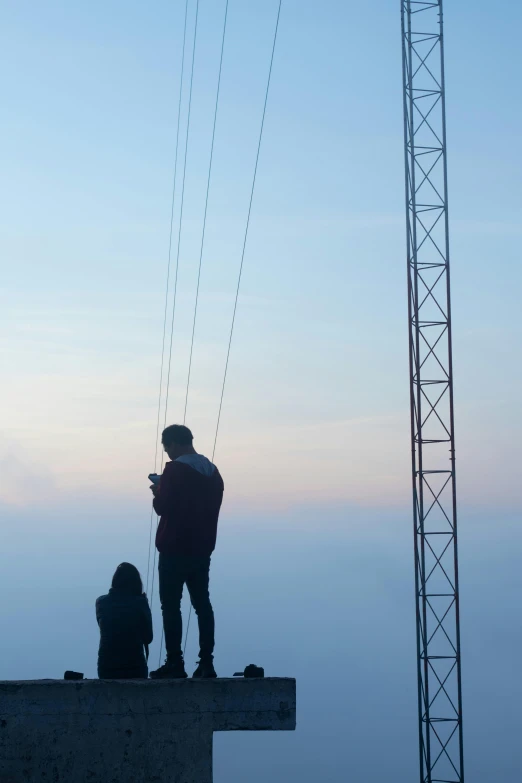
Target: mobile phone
{"type": "Point", "coordinates": [154, 478]}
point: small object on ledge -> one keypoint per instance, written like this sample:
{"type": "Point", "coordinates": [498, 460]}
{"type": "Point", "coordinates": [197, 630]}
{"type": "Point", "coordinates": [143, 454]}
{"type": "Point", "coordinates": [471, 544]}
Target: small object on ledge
{"type": "Point", "coordinates": [73, 676]}
{"type": "Point", "coordinates": [251, 671]}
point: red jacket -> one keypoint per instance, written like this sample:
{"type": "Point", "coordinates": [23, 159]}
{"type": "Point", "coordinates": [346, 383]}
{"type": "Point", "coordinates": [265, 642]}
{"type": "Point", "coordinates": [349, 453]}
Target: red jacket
{"type": "Point", "coordinates": [188, 502]}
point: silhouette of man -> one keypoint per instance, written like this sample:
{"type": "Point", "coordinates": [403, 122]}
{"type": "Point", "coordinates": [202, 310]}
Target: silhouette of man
{"type": "Point", "coordinates": [188, 500]}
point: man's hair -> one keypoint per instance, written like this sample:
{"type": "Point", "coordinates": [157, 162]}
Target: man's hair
{"type": "Point", "coordinates": [178, 434]}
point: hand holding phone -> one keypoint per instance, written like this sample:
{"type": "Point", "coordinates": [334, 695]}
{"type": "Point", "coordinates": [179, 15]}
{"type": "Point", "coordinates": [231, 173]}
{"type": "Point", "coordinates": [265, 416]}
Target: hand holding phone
{"type": "Point", "coordinates": [155, 479]}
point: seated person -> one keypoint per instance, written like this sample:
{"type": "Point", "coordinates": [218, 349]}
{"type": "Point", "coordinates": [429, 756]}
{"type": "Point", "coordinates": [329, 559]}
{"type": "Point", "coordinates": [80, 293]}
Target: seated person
{"type": "Point", "coordinates": [125, 627]}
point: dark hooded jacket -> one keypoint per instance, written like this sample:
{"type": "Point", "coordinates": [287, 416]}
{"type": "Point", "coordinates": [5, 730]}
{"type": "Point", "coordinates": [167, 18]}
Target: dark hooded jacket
{"type": "Point", "coordinates": [188, 502]}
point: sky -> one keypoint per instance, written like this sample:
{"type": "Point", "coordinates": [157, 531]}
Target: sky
{"type": "Point", "coordinates": [313, 575]}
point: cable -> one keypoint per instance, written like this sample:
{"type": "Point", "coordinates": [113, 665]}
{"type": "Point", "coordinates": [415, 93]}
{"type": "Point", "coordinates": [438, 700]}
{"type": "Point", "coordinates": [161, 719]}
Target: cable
{"type": "Point", "coordinates": [177, 253]}
{"type": "Point", "coordinates": [242, 260]}
{"type": "Point", "coordinates": [177, 261]}
{"type": "Point", "coordinates": [246, 229]}
{"type": "Point", "coordinates": [206, 208]}
{"type": "Point", "coordinates": [203, 235]}
{"type": "Point", "coordinates": [180, 225]}
{"type": "Point", "coordinates": [168, 279]}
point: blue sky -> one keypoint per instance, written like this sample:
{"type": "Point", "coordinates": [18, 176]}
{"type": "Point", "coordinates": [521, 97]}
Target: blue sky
{"type": "Point", "coordinates": [314, 441]}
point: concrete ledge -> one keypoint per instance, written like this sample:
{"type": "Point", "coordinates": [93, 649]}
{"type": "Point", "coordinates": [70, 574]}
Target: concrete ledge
{"type": "Point", "coordinates": [130, 731]}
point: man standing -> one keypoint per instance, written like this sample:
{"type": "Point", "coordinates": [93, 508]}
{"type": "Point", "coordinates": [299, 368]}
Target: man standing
{"type": "Point", "coordinates": [187, 500]}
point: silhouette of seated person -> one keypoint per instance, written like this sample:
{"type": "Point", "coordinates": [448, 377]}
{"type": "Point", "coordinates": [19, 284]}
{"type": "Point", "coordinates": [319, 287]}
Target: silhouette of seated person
{"type": "Point", "coordinates": [125, 625]}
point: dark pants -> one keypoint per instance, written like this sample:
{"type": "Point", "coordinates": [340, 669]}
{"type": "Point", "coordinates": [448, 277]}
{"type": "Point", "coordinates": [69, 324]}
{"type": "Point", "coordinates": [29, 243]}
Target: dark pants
{"type": "Point", "coordinates": [175, 571]}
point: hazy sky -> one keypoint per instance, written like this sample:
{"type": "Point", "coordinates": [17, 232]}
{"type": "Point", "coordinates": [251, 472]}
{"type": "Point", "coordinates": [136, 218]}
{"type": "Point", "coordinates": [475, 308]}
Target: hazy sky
{"type": "Point", "coordinates": [314, 569]}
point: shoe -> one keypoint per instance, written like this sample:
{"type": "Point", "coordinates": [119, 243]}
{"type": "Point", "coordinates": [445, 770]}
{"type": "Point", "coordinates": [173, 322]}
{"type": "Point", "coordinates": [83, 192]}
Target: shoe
{"type": "Point", "coordinates": [170, 671]}
{"type": "Point", "coordinates": [205, 670]}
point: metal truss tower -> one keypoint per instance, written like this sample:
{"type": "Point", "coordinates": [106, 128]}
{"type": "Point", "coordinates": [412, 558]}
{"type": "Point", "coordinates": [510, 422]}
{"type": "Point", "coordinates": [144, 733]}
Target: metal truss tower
{"type": "Point", "coordinates": [431, 384]}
